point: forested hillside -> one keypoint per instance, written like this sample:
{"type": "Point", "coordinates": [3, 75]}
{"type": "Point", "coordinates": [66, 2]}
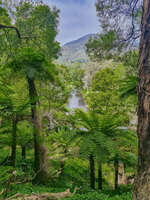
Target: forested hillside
{"type": "Point", "coordinates": [68, 115]}
{"type": "Point", "coordinates": [74, 51]}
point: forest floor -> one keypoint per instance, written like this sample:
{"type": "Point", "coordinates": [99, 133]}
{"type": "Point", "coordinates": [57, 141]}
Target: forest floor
{"type": "Point", "coordinates": [76, 174]}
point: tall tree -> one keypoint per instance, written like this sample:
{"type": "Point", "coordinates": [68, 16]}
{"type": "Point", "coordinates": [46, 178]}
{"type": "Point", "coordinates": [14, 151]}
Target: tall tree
{"type": "Point", "coordinates": [141, 190]}
{"type": "Point", "coordinates": [33, 66]}
{"type": "Point", "coordinates": [133, 10]}
{"type": "Point", "coordinates": [37, 24]}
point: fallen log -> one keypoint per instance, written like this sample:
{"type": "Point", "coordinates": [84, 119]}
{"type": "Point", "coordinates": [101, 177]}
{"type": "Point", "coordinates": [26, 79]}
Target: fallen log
{"type": "Point", "coordinates": [44, 196]}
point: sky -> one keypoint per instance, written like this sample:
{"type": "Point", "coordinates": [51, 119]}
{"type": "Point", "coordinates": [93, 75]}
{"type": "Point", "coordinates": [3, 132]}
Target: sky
{"type": "Point", "coordinates": [77, 18]}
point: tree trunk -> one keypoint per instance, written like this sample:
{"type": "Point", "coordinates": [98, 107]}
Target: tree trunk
{"type": "Point", "coordinates": [100, 180]}
{"type": "Point", "coordinates": [92, 171]}
{"type": "Point", "coordinates": [122, 179]}
{"type": "Point", "coordinates": [23, 157]}
{"type": "Point", "coordinates": [23, 152]}
{"type": "Point", "coordinates": [62, 164]}
{"type": "Point", "coordinates": [40, 152]}
{"type": "Point", "coordinates": [14, 141]}
{"type": "Point", "coordinates": [116, 166]}
{"type": "Point", "coordinates": [141, 189]}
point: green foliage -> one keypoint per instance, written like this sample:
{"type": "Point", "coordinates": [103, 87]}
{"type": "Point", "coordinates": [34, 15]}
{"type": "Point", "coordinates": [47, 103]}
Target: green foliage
{"type": "Point", "coordinates": [128, 86]}
{"type": "Point", "coordinates": [97, 132]}
{"type": "Point", "coordinates": [120, 194]}
{"type": "Point", "coordinates": [25, 136]}
{"type": "Point", "coordinates": [69, 137]}
{"type": "Point", "coordinates": [90, 196]}
{"type": "Point", "coordinates": [75, 174]}
{"type": "Point", "coordinates": [103, 96]}
{"type": "Point", "coordinates": [38, 22]}
{"type": "Point", "coordinates": [5, 173]}
{"type": "Point", "coordinates": [4, 17]}
{"type": "Point", "coordinates": [113, 15]}
{"type": "Point", "coordinates": [103, 46]}
{"type": "Point", "coordinates": [104, 80]}
{"type": "Point", "coordinates": [77, 75]}
{"type": "Point", "coordinates": [30, 63]}
{"type": "Point", "coordinates": [130, 60]}
{"type": "Point", "coordinates": [101, 196]}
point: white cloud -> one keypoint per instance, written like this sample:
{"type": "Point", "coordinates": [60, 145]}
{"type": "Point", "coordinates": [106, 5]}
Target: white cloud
{"type": "Point", "coordinates": [77, 18]}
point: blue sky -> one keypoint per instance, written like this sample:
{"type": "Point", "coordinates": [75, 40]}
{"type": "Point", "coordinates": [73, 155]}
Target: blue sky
{"type": "Point", "coordinates": [77, 18]}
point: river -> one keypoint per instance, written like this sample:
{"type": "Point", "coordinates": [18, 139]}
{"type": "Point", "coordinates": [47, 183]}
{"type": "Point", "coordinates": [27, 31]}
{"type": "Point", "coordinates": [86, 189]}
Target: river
{"type": "Point", "coordinates": [76, 101]}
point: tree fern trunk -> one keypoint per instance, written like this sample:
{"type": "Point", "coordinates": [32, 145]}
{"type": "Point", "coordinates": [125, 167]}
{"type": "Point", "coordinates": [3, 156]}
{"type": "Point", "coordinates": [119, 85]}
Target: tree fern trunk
{"type": "Point", "coordinates": [14, 141]}
{"type": "Point", "coordinates": [100, 180]}
{"type": "Point", "coordinates": [116, 167]}
{"type": "Point", "coordinates": [40, 152]}
{"type": "Point", "coordinates": [23, 148]}
{"type": "Point", "coordinates": [23, 152]}
{"type": "Point", "coordinates": [92, 171]}
{"type": "Point", "coordinates": [141, 189]}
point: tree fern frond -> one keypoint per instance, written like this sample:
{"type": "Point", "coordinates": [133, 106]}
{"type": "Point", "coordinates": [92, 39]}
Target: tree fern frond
{"type": "Point", "coordinates": [129, 86]}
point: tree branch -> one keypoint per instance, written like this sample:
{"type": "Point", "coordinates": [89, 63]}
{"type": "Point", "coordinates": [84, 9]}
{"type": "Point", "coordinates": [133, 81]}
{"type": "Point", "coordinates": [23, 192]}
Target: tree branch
{"type": "Point", "coordinates": [11, 27]}
{"type": "Point", "coordinates": [132, 22]}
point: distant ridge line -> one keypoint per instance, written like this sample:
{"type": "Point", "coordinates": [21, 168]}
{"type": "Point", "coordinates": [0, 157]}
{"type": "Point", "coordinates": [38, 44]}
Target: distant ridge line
{"type": "Point", "coordinates": [75, 51]}
{"type": "Point", "coordinates": [79, 39]}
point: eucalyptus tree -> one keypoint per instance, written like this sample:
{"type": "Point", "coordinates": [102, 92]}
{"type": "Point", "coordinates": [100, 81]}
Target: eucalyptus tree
{"type": "Point", "coordinates": [120, 27]}
{"type": "Point", "coordinates": [135, 11]}
{"type": "Point", "coordinates": [141, 186]}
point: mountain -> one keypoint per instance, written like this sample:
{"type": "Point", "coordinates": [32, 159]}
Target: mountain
{"type": "Point", "coordinates": [74, 51]}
